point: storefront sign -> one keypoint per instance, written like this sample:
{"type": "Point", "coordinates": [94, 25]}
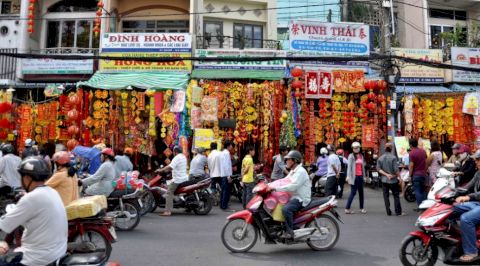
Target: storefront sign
{"type": "Point", "coordinates": [146, 42]}
{"type": "Point", "coordinates": [330, 38]}
{"type": "Point", "coordinates": [401, 145]}
{"type": "Point", "coordinates": [471, 103]}
{"type": "Point", "coordinates": [277, 64]}
{"type": "Point", "coordinates": [368, 136]}
{"type": "Point", "coordinates": [203, 137]}
{"type": "Point", "coordinates": [412, 73]}
{"type": "Point", "coordinates": [349, 81]}
{"type": "Point", "coordinates": [131, 65]}
{"type": "Point", "coordinates": [52, 66]}
{"type": "Point", "coordinates": [318, 84]}
{"type": "Point", "coordinates": [467, 57]}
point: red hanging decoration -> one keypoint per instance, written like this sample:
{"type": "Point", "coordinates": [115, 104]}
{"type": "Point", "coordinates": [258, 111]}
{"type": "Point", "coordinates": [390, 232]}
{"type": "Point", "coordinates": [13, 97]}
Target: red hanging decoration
{"type": "Point", "coordinates": [296, 72]}
{"type": "Point", "coordinates": [297, 84]}
{"type": "Point", "coordinates": [381, 85]}
{"type": "Point", "coordinates": [97, 21]}
{"type": "Point", "coordinates": [370, 85]}
{"type": "Point", "coordinates": [31, 17]}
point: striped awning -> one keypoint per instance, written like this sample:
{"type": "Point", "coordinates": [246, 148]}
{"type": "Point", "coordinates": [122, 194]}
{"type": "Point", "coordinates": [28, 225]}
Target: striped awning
{"type": "Point", "coordinates": [411, 89]}
{"type": "Point", "coordinates": [141, 80]}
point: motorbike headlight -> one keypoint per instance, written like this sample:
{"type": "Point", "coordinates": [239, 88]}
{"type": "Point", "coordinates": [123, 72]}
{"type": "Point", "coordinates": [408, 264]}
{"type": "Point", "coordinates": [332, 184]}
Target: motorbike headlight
{"type": "Point", "coordinates": [431, 220]}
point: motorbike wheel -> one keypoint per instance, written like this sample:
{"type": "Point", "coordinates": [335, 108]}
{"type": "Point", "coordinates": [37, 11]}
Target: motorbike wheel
{"type": "Point", "coordinates": [148, 202]}
{"type": "Point", "coordinates": [232, 236]}
{"type": "Point", "coordinates": [326, 235]}
{"type": "Point", "coordinates": [415, 253]}
{"type": "Point", "coordinates": [409, 194]}
{"type": "Point", "coordinates": [124, 223]}
{"type": "Point", "coordinates": [205, 205]}
{"type": "Point", "coordinates": [91, 241]}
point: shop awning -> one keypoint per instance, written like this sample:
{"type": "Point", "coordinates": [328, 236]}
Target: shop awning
{"type": "Point", "coordinates": [143, 80]}
{"type": "Point", "coordinates": [464, 88]}
{"type": "Point", "coordinates": [238, 74]}
{"type": "Point", "coordinates": [410, 89]}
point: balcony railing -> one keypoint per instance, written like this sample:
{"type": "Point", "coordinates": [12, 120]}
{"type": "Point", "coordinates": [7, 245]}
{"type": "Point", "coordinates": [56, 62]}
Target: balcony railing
{"type": "Point", "coordinates": [8, 64]}
{"type": "Point", "coordinates": [69, 50]}
{"type": "Point", "coordinates": [228, 42]}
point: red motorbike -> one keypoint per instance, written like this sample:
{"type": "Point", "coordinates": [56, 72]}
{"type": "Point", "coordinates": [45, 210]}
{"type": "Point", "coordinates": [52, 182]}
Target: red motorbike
{"type": "Point", "coordinates": [261, 218]}
{"type": "Point", "coordinates": [193, 195]}
{"type": "Point", "coordinates": [436, 231]}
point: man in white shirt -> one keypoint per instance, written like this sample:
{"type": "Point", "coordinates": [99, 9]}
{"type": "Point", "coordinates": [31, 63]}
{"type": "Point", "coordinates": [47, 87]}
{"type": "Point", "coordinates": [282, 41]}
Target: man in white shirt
{"type": "Point", "coordinates": [300, 187]}
{"type": "Point", "coordinates": [215, 165]}
{"type": "Point", "coordinates": [42, 214]}
{"type": "Point", "coordinates": [9, 176]}
{"type": "Point", "coordinates": [226, 173]}
{"type": "Point", "coordinates": [333, 172]}
{"type": "Point", "coordinates": [198, 164]}
{"type": "Point", "coordinates": [178, 166]}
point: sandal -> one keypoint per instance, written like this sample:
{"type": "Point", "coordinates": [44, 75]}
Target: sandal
{"type": "Point", "coordinates": [468, 258]}
{"type": "Point", "coordinates": [363, 211]}
{"type": "Point", "coordinates": [347, 211]}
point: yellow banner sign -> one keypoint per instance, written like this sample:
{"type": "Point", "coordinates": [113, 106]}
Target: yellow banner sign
{"type": "Point", "coordinates": [414, 73]}
{"type": "Point", "coordinates": [141, 66]}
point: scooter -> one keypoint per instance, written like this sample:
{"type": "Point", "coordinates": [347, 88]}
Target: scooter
{"type": "Point", "coordinates": [125, 207]}
{"type": "Point", "coordinates": [263, 218]}
{"type": "Point", "coordinates": [436, 231]}
{"type": "Point", "coordinates": [445, 179]}
{"type": "Point", "coordinates": [237, 189]}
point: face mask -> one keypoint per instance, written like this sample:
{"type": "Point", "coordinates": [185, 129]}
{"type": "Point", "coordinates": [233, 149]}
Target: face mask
{"type": "Point", "coordinates": [462, 156]}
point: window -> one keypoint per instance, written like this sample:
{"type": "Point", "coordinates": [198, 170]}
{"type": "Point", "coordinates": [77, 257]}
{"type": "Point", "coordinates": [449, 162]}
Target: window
{"type": "Point", "coordinates": [163, 26]}
{"type": "Point", "coordinates": [437, 42]}
{"type": "Point", "coordinates": [213, 35]}
{"type": "Point", "coordinates": [71, 34]}
{"type": "Point", "coordinates": [247, 36]}
{"type": "Point", "coordinates": [6, 7]}
{"type": "Point", "coordinates": [448, 14]}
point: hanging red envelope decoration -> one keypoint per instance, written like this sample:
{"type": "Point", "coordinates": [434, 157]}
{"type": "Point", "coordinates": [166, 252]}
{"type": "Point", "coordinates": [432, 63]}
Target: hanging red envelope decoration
{"type": "Point", "coordinates": [311, 85]}
{"type": "Point", "coordinates": [325, 85]}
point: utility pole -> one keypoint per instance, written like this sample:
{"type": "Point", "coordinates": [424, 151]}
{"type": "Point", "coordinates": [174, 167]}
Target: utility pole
{"type": "Point", "coordinates": [344, 10]}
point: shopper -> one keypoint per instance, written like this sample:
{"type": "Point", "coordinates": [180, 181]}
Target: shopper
{"type": "Point", "coordinates": [434, 162]}
{"type": "Point", "coordinates": [418, 170]}
{"type": "Point", "coordinates": [355, 177]}
{"type": "Point", "coordinates": [387, 166]}
{"type": "Point", "coordinates": [248, 180]}
{"type": "Point", "coordinates": [333, 172]}
{"type": "Point", "coordinates": [343, 172]}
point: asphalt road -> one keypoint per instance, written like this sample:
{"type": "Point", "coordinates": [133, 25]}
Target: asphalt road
{"type": "Point", "coordinates": [186, 239]}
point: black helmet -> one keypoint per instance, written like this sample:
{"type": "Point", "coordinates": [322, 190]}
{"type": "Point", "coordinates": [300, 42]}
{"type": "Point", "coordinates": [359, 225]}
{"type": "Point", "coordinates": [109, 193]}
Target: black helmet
{"type": "Point", "coordinates": [34, 167]}
{"type": "Point", "coordinates": [294, 154]}
{"type": "Point", "coordinates": [8, 148]}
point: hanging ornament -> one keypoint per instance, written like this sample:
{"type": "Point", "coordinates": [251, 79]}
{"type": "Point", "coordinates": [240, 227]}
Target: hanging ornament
{"type": "Point", "coordinates": [381, 85]}
{"type": "Point", "coordinates": [97, 21]}
{"type": "Point", "coordinates": [370, 85]}
{"type": "Point", "coordinates": [297, 84]}
{"type": "Point", "coordinates": [296, 72]}
{"type": "Point", "coordinates": [31, 11]}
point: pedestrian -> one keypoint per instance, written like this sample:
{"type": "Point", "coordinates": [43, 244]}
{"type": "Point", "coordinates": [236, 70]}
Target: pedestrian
{"type": "Point", "coordinates": [333, 172]}
{"type": "Point", "coordinates": [404, 172]}
{"type": "Point", "coordinates": [215, 166]}
{"type": "Point", "coordinates": [434, 162]}
{"type": "Point", "coordinates": [418, 170]}
{"type": "Point", "coordinates": [322, 168]}
{"type": "Point", "coordinates": [343, 172]}
{"type": "Point", "coordinates": [279, 168]}
{"type": "Point", "coordinates": [355, 177]}
{"type": "Point", "coordinates": [226, 173]}
{"type": "Point", "coordinates": [198, 165]}
{"type": "Point", "coordinates": [387, 166]}
{"type": "Point", "coordinates": [248, 181]}
{"type": "Point", "coordinates": [178, 166]}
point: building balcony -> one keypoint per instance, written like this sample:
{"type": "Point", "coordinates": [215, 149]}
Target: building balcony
{"type": "Point", "coordinates": [227, 42]}
{"type": "Point", "coordinates": [8, 65]}
{"type": "Point", "coordinates": [69, 50]}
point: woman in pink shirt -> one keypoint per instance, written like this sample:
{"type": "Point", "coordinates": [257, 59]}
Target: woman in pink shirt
{"type": "Point", "coordinates": [355, 177]}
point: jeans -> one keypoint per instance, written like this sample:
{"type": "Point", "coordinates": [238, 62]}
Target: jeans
{"type": "Point", "coordinates": [357, 185]}
{"type": "Point", "coordinates": [247, 193]}
{"type": "Point", "coordinates": [395, 188]}
{"type": "Point", "coordinates": [169, 198]}
{"type": "Point", "coordinates": [225, 197]}
{"type": "Point", "coordinates": [469, 217]}
{"type": "Point", "coordinates": [288, 211]}
{"type": "Point", "coordinates": [215, 181]}
{"type": "Point", "coordinates": [11, 259]}
{"type": "Point", "coordinates": [341, 184]}
{"type": "Point", "coordinates": [331, 186]}
{"type": "Point", "coordinates": [419, 186]}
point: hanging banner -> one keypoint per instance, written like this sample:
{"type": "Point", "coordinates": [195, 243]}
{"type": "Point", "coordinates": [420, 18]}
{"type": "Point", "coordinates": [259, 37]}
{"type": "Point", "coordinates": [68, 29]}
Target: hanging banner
{"type": "Point", "coordinates": [179, 102]}
{"type": "Point", "coordinates": [471, 102]}
{"type": "Point", "coordinates": [412, 73]}
{"type": "Point", "coordinates": [325, 80]}
{"type": "Point", "coordinates": [276, 64]}
{"type": "Point", "coordinates": [36, 66]}
{"type": "Point", "coordinates": [203, 137]}
{"type": "Point", "coordinates": [109, 66]}
{"type": "Point", "coordinates": [196, 117]}
{"type": "Point", "coordinates": [348, 81]}
{"type": "Point", "coordinates": [311, 85]}
{"type": "Point", "coordinates": [209, 109]}
{"type": "Point", "coordinates": [329, 38]}
{"type": "Point", "coordinates": [368, 136]}
{"type": "Point", "coordinates": [467, 57]}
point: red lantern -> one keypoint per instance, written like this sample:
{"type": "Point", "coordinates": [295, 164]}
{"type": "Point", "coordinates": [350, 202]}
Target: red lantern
{"type": "Point", "coordinates": [73, 130]}
{"type": "Point", "coordinates": [380, 98]}
{"type": "Point", "coordinates": [99, 13]}
{"type": "Point", "coordinates": [4, 123]}
{"type": "Point", "coordinates": [371, 106]}
{"type": "Point", "coordinates": [381, 85]}
{"type": "Point", "coordinates": [100, 4]}
{"type": "Point", "coordinates": [297, 84]}
{"type": "Point", "coordinates": [71, 144]}
{"type": "Point", "coordinates": [370, 84]}
{"type": "Point", "coordinates": [296, 72]}
{"type": "Point", "coordinates": [72, 115]}
{"type": "Point", "coordinates": [371, 96]}
{"type": "Point", "coordinates": [3, 135]}
{"type": "Point", "coordinates": [31, 7]}
{"type": "Point", "coordinates": [74, 99]}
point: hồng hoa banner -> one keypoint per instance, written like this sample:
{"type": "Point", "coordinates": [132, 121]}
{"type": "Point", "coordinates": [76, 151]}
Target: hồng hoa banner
{"type": "Point", "coordinates": [143, 66]}
{"type": "Point", "coordinates": [413, 73]}
{"type": "Point", "coordinates": [467, 57]}
{"type": "Point", "coordinates": [330, 38]}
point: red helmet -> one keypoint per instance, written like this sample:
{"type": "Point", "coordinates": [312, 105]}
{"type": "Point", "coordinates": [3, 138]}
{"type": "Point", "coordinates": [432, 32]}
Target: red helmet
{"type": "Point", "coordinates": [339, 152]}
{"type": "Point", "coordinates": [61, 157]}
{"type": "Point", "coordinates": [109, 152]}
{"type": "Point", "coordinates": [128, 151]}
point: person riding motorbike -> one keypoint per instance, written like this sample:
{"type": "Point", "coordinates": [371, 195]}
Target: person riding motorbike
{"type": "Point", "coordinates": [465, 166]}
{"type": "Point", "coordinates": [300, 187]}
{"type": "Point", "coordinates": [123, 161]}
{"type": "Point", "coordinates": [9, 176]}
{"type": "Point", "coordinates": [29, 149]}
{"type": "Point", "coordinates": [468, 210]}
{"type": "Point", "coordinates": [198, 164]}
{"type": "Point", "coordinates": [64, 180]}
{"type": "Point", "coordinates": [322, 167]}
{"type": "Point", "coordinates": [100, 183]}
{"type": "Point", "coordinates": [43, 215]}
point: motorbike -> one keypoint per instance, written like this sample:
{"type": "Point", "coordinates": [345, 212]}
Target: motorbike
{"type": "Point", "coordinates": [237, 189]}
{"type": "Point", "coordinates": [409, 194]}
{"type": "Point", "coordinates": [262, 218]}
{"type": "Point", "coordinates": [125, 207]}
{"type": "Point", "coordinates": [445, 179]}
{"type": "Point", "coordinates": [436, 231]}
{"type": "Point", "coordinates": [191, 195]}
{"type": "Point", "coordinates": [319, 189]}
{"type": "Point", "coordinates": [373, 177]}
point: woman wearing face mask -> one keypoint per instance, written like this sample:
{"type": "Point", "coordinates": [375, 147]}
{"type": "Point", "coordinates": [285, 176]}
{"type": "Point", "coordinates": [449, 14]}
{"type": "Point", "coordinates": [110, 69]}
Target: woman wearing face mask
{"type": "Point", "coordinates": [355, 177]}
{"type": "Point", "coordinates": [466, 166]}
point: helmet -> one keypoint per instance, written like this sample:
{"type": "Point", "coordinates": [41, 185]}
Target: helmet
{"type": "Point", "coordinates": [35, 167]}
{"type": "Point", "coordinates": [128, 151]}
{"type": "Point", "coordinates": [476, 155]}
{"type": "Point", "coordinates": [294, 154]}
{"type": "Point", "coordinates": [456, 146]}
{"type": "Point", "coordinates": [61, 157]}
{"type": "Point", "coordinates": [8, 148]}
{"type": "Point", "coordinates": [109, 152]}
{"type": "Point", "coordinates": [339, 152]}
{"type": "Point", "coordinates": [28, 143]}
{"type": "Point", "coordinates": [356, 145]}
{"type": "Point", "coordinates": [330, 148]}
{"type": "Point", "coordinates": [323, 151]}
{"type": "Point", "coordinates": [177, 149]}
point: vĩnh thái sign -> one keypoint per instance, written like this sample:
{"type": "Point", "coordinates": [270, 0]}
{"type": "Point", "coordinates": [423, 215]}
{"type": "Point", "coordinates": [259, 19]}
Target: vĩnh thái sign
{"type": "Point", "coordinates": [232, 63]}
{"type": "Point", "coordinates": [146, 45]}
{"type": "Point", "coordinates": [344, 39]}
{"type": "Point", "coordinates": [467, 57]}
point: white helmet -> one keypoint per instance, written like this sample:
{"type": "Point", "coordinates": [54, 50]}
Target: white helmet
{"type": "Point", "coordinates": [356, 145]}
{"type": "Point", "coordinates": [324, 151]}
{"type": "Point", "coordinates": [28, 143]}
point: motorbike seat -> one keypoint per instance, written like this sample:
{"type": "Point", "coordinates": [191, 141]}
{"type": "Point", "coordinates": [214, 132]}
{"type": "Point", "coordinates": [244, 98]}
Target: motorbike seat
{"type": "Point", "coordinates": [83, 258]}
{"type": "Point", "coordinates": [187, 183]}
{"type": "Point", "coordinates": [118, 193]}
{"type": "Point", "coordinates": [315, 203]}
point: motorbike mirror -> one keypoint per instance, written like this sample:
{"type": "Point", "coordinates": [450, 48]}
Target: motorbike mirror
{"type": "Point", "coordinates": [9, 208]}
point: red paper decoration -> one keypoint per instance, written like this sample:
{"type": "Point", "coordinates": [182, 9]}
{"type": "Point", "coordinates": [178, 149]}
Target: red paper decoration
{"type": "Point", "coordinates": [73, 130]}
{"type": "Point", "coordinates": [371, 106]}
{"type": "Point", "coordinates": [71, 144]}
{"type": "Point", "coordinates": [30, 22]}
{"type": "Point", "coordinates": [297, 84]}
{"type": "Point", "coordinates": [5, 107]}
{"type": "Point", "coordinates": [72, 115]}
{"type": "Point", "coordinates": [296, 72]}
{"type": "Point", "coordinates": [370, 84]}
{"type": "Point", "coordinates": [381, 85]}
{"type": "Point", "coordinates": [74, 99]}
{"type": "Point", "coordinates": [97, 22]}
{"type": "Point", "coordinates": [3, 135]}
{"type": "Point", "coordinates": [4, 123]}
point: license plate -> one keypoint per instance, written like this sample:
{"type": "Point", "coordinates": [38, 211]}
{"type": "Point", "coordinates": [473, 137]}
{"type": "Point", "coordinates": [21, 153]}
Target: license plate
{"type": "Point", "coordinates": [113, 232]}
{"type": "Point", "coordinates": [140, 203]}
{"type": "Point", "coordinates": [374, 174]}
